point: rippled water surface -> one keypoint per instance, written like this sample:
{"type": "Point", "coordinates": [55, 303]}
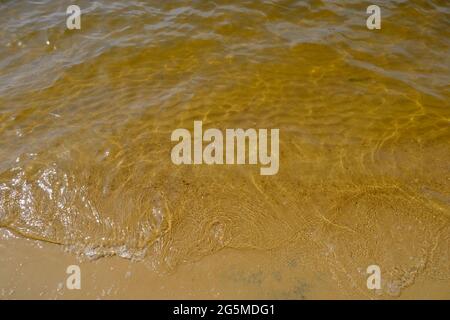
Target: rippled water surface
{"type": "Point", "coordinates": [86, 117]}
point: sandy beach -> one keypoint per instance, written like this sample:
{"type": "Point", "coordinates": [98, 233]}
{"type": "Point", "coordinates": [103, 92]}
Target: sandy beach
{"type": "Point", "coordinates": [361, 178]}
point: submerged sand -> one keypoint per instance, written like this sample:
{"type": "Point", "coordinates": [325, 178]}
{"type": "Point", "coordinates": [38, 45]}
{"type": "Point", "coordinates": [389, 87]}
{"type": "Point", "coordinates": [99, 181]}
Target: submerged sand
{"type": "Point", "coordinates": [86, 176]}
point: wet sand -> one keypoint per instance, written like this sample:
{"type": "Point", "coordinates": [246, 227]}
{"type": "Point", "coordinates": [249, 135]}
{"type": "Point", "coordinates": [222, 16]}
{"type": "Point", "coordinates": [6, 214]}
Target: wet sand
{"type": "Point", "coordinates": [86, 176]}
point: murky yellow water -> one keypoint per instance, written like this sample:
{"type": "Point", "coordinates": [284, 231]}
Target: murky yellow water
{"type": "Point", "coordinates": [85, 123]}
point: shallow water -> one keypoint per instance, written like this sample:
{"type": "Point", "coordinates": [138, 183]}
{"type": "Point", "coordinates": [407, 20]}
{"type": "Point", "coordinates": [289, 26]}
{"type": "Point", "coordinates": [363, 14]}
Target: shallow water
{"type": "Point", "coordinates": [86, 117]}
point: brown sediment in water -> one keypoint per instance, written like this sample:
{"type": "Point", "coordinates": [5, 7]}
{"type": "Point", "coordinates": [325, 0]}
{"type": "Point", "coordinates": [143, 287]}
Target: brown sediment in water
{"type": "Point", "coordinates": [85, 169]}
